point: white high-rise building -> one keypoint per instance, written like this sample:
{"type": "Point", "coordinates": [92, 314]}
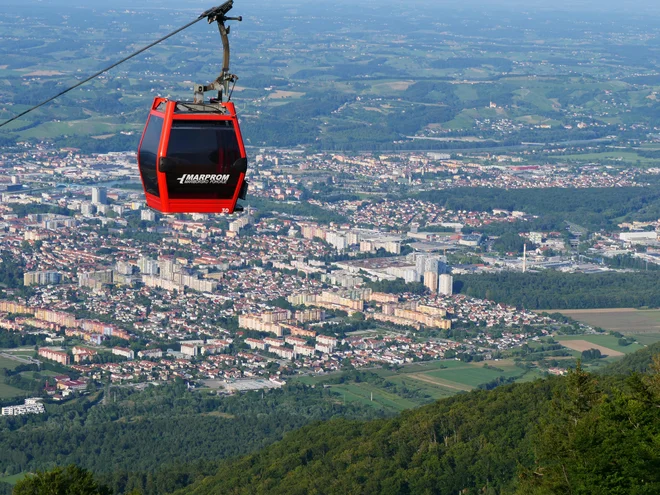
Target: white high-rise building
{"type": "Point", "coordinates": [147, 215]}
{"type": "Point", "coordinates": [148, 266]}
{"type": "Point", "coordinates": [336, 239]}
{"type": "Point", "coordinates": [430, 263]}
{"type": "Point", "coordinates": [446, 284]}
{"type": "Point", "coordinates": [124, 268]}
{"type": "Point", "coordinates": [420, 263]}
{"type": "Point", "coordinates": [99, 195]}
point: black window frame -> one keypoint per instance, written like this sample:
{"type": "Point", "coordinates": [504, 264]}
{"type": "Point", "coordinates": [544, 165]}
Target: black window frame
{"type": "Point", "coordinates": [148, 154]}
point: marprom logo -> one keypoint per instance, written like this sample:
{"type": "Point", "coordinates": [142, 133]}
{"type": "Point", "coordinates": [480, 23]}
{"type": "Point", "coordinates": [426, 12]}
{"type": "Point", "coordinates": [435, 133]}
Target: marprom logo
{"type": "Point", "coordinates": [203, 179]}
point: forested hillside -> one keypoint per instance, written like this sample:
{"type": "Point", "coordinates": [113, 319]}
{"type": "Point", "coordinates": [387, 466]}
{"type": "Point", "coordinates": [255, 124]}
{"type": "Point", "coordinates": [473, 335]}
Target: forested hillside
{"type": "Point", "coordinates": [592, 208]}
{"type": "Point", "coordinates": [637, 362]}
{"type": "Point", "coordinates": [573, 434]}
{"type": "Point", "coordinates": [580, 434]}
{"type": "Point", "coordinates": [557, 290]}
{"type": "Point", "coordinates": [163, 438]}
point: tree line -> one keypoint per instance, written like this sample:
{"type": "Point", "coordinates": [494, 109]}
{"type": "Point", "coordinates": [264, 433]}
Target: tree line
{"type": "Point", "coordinates": [592, 208]}
{"type": "Point", "coordinates": [551, 289]}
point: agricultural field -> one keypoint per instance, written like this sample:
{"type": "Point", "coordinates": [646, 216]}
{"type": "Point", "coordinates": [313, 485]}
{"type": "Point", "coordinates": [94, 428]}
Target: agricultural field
{"type": "Point", "coordinates": [583, 345]}
{"type": "Point", "coordinates": [647, 338]}
{"type": "Point", "coordinates": [362, 392]}
{"type": "Point", "coordinates": [608, 342]}
{"type": "Point", "coordinates": [416, 384]}
{"type": "Point", "coordinates": [474, 374]}
{"type": "Point", "coordinates": [9, 392]}
{"type": "Point", "coordinates": [622, 157]}
{"type": "Point", "coordinates": [423, 384]}
{"type": "Point", "coordinates": [7, 363]}
{"type": "Point", "coordinates": [643, 325]}
{"type": "Point", "coordinates": [13, 479]}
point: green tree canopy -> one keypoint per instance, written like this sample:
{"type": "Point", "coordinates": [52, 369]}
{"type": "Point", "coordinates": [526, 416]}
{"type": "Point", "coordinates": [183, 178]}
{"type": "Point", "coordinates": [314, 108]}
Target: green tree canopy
{"type": "Point", "coordinates": [71, 480]}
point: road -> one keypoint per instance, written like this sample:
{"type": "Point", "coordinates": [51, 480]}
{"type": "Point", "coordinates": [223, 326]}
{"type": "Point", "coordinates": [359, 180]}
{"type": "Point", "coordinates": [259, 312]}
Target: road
{"type": "Point", "coordinates": [20, 359]}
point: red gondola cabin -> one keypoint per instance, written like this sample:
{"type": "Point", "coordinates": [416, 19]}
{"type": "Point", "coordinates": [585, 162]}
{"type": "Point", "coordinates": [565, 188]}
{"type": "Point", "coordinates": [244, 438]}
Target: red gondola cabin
{"type": "Point", "coordinates": [192, 158]}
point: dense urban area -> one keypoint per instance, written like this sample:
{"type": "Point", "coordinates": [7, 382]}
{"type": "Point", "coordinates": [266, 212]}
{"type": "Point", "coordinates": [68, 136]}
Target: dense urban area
{"type": "Point", "coordinates": [117, 292]}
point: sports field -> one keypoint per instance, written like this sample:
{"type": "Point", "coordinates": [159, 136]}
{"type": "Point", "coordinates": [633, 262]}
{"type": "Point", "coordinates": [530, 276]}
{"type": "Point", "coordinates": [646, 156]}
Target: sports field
{"type": "Point", "coordinates": [9, 392]}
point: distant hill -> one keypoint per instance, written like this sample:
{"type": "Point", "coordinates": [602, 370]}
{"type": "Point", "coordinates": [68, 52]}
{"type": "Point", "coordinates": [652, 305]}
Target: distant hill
{"type": "Point", "coordinates": [573, 434]}
{"type": "Point", "coordinates": [639, 362]}
{"type": "Point", "coordinates": [467, 441]}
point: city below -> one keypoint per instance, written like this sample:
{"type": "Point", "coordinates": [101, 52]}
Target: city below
{"type": "Point", "coordinates": [113, 290]}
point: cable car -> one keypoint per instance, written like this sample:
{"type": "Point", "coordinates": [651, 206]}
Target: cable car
{"type": "Point", "coordinates": [191, 155]}
{"type": "Point", "coordinates": [191, 158]}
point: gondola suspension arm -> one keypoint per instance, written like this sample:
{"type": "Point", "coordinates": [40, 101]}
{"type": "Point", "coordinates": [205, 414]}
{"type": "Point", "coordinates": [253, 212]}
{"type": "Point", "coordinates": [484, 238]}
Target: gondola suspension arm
{"type": "Point", "coordinates": [221, 84]}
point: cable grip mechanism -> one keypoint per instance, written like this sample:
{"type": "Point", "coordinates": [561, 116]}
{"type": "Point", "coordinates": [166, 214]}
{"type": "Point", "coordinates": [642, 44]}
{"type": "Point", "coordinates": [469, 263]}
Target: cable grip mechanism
{"type": "Point", "coordinates": [221, 84]}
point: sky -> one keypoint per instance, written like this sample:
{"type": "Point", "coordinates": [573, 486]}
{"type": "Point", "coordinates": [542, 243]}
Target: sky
{"type": "Point", "coordinates": [639, 6]}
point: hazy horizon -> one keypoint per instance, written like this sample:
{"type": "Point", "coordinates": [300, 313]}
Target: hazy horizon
{"type": "Point", "coordinates": [352, 8]}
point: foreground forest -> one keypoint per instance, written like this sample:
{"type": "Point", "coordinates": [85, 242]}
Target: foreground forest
{"type": "Point", "coordinates": [163, 438]}
{"type": "Point", "coordinates": [576, 434]}
{"type": "Point", "coordinates": [579, 434]}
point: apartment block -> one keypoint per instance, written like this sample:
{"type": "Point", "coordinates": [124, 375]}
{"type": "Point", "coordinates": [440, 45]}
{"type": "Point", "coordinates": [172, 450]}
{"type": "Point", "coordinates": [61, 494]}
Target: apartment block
{"type": "Point", "coordinates": [54, 355]}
